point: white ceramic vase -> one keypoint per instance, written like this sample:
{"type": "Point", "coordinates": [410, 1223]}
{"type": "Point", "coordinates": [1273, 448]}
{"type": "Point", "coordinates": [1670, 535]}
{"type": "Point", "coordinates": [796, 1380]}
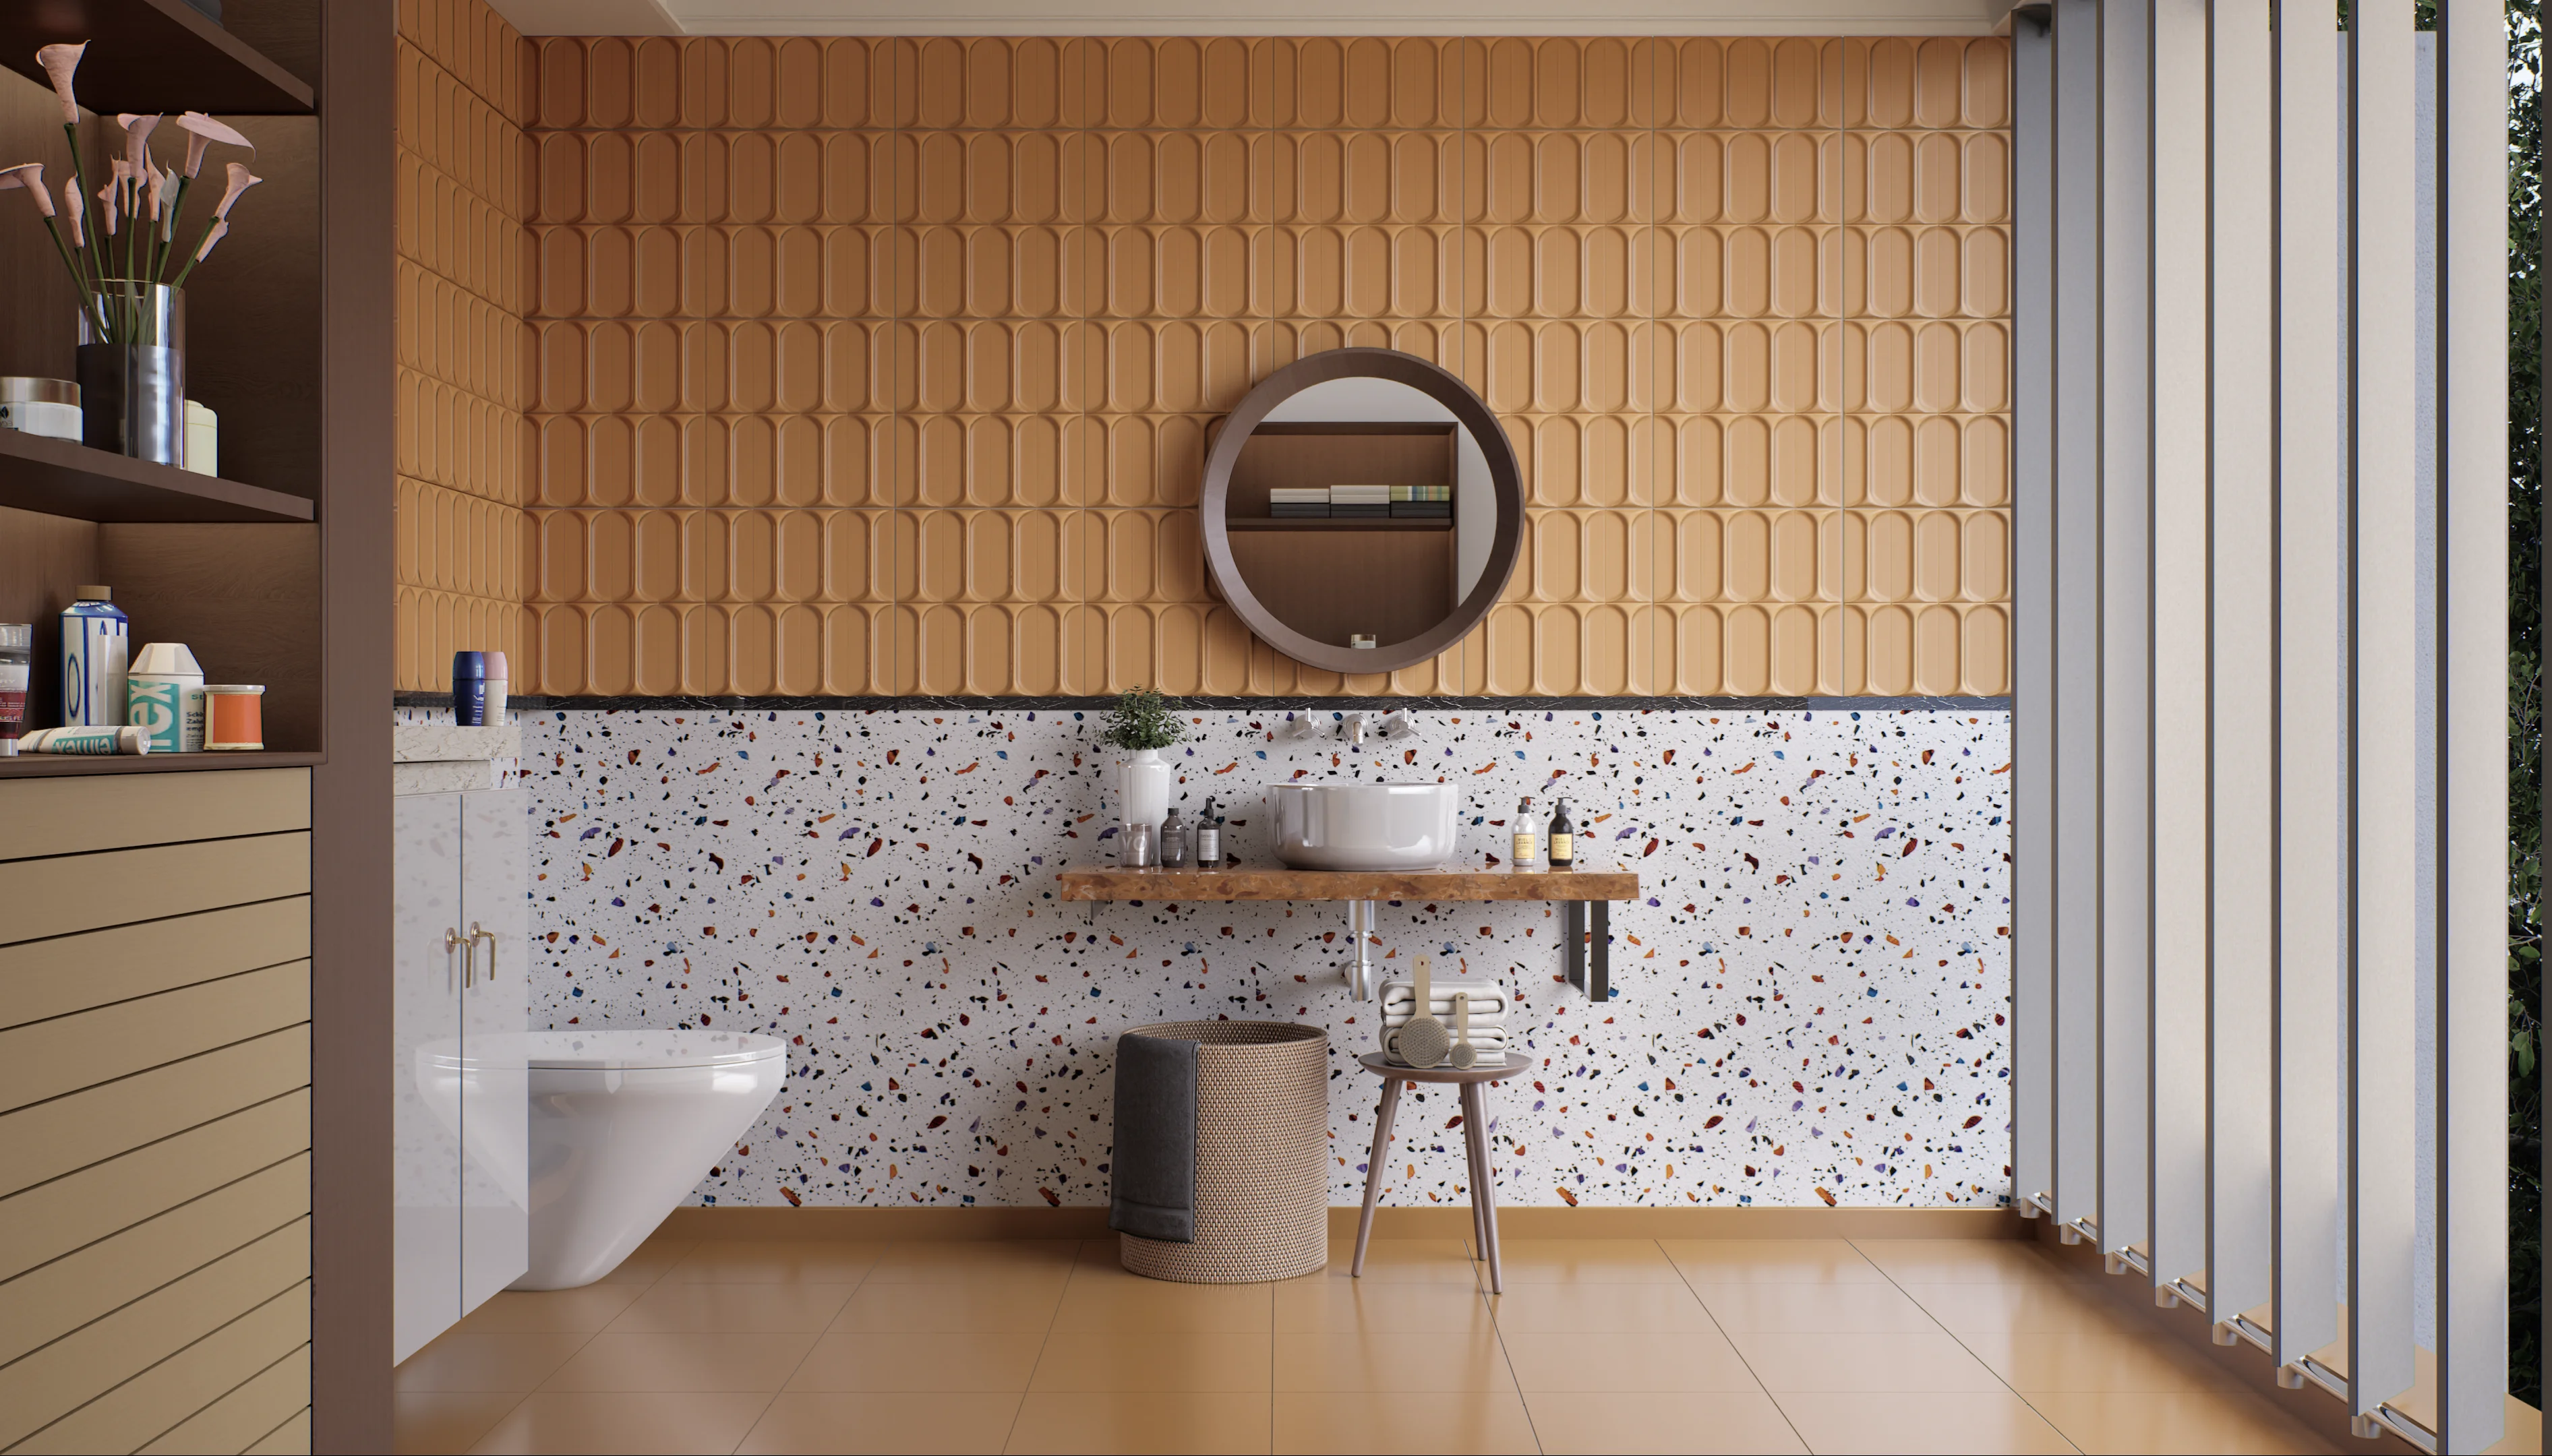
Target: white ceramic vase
{"type": "Point", "coordinates": [1143, 786]}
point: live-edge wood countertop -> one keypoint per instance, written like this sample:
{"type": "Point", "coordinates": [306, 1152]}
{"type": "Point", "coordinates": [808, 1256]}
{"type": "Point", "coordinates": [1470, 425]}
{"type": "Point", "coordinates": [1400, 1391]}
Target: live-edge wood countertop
{"type": "Point", "coordinates": [1338, 884]}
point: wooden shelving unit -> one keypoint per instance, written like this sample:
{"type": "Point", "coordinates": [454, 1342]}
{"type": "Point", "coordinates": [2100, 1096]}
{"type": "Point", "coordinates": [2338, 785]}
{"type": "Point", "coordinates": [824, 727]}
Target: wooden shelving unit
{"type": "Point", "coordinates": [230, 568]}
{"type": "Point", "coordinates": [288, 582]}
{"type": "Point", "coordinates": [64, 478]}
{"type": "Point", "coordinates": [151, 57]}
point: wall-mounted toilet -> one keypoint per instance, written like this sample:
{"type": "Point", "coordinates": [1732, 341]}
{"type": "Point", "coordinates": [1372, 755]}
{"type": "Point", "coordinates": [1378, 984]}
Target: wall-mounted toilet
{"type": "Point", "coordinates": [623, 1124]}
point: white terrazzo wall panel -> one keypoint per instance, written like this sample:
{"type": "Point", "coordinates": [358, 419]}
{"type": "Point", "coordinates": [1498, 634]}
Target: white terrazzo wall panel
{"type": "Point", "coordinates": [1810, 996]}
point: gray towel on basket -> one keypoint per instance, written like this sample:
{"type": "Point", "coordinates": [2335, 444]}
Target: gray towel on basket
{"type": "Point", "coordinates": [1152, 1175]}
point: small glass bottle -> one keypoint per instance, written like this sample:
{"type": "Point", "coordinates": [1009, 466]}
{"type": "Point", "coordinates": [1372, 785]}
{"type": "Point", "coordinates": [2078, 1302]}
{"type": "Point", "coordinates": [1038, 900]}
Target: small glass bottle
{"type": "Point", "coordinates": [1563, 840]}
{"type": "Point", "coordinates": [1209, 839]}
{"type": "Point", "coordinates": [1137, 847]}
{"type": "Point", "coordinates": [1528, 839]}
{"type": "Point", "coordinates": [1177, 845]}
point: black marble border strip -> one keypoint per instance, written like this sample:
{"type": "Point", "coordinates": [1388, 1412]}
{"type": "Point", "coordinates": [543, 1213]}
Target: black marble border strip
{"type": "Point", "coordinates": [538, 703]}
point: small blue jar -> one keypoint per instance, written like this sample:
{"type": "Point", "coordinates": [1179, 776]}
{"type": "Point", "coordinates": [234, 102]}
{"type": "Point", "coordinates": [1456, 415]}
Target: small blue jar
{"type": "Point", "coordinates": [470, 688]}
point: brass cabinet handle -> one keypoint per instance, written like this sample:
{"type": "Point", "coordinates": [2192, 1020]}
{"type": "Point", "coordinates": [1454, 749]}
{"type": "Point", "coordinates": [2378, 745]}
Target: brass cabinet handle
{"type": "Point", "coordinates": [453, 940]}
{"type": "Point", "coordinates": [489, 936]}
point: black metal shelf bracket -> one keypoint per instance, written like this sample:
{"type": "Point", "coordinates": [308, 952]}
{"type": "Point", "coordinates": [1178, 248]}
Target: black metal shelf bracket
{"type": "Point", "coordinates": [1578, 935]}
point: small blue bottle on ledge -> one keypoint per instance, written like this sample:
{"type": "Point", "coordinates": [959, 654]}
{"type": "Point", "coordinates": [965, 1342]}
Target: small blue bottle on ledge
{"type": "Point", "coordinates": [470, 688]}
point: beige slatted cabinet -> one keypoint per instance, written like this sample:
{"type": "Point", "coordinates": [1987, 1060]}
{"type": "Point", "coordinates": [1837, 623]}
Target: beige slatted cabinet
{"type": "Point", "coordinates": [154, 1112]}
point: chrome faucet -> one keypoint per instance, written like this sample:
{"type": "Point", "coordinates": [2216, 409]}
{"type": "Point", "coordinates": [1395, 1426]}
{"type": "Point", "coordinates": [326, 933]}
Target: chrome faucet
{"type": "Point", "coordinates": [1352, 728]}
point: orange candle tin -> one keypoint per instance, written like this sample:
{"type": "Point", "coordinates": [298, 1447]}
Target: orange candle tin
{"type": "Point", "coordinates": [234, 717]}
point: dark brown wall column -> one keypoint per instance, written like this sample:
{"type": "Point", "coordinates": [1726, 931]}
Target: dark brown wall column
{"type": "Point", "coordinates": [350, 793]}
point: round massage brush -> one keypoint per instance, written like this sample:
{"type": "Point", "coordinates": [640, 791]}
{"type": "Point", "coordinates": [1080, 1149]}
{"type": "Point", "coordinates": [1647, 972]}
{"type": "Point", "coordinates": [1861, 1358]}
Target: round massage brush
{"type": "Point", "coordinates": [1465, 1056]}
{"type": "Point", "coordinates": [1423, 1042]}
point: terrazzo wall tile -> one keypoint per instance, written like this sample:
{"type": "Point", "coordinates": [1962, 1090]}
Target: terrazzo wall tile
{"type": "Point", "coordinates": [1809, 996]}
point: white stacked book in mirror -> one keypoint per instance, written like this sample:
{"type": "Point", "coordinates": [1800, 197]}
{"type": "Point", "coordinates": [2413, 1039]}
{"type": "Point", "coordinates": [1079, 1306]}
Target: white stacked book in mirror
{"type": "Point", "coordinates": [1352, 502]}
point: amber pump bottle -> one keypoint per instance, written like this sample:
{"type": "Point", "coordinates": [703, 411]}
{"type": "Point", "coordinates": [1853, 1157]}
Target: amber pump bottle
{"type": "Point", "coordinates": [1563, 839]}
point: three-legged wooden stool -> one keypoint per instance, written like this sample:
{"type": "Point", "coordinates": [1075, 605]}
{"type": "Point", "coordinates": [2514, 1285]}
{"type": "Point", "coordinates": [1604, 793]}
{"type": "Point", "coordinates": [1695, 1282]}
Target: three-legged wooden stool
{"type": "Point", "coordinates": [1475, 1137]}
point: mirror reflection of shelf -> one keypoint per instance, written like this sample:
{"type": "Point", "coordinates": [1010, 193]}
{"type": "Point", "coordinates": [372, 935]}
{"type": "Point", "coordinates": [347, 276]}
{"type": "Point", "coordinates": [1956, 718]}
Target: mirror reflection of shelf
{"type": "Point", "coordinates": [1361, 591]}
{"type": "Point", "coordinates": [1327, 578]}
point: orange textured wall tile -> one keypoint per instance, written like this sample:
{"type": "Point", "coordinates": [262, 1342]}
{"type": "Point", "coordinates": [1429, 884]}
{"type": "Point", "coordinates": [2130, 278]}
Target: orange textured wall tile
{"type": "Point", "coordinates": [463, 447]}
{"type": "Point", "coordinates": [890, 365]}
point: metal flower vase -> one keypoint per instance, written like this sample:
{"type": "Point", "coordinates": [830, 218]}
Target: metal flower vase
{"type": "Point", "coordinates": [133, 370]}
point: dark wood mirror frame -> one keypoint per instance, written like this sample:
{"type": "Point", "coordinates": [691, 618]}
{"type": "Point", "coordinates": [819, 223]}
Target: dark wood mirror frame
{"type": "Point", "coordinates": [1470, 412]}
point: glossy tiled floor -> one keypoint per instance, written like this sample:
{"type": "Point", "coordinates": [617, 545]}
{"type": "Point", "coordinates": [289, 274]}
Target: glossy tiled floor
{"type": "Point", "coordinates": [1596, 1347]}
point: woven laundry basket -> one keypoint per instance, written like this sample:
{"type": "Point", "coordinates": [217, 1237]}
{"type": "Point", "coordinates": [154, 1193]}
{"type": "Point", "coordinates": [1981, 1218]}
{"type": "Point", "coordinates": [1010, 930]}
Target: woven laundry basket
{"type": "Point", "coordinates": [1262, 1150]}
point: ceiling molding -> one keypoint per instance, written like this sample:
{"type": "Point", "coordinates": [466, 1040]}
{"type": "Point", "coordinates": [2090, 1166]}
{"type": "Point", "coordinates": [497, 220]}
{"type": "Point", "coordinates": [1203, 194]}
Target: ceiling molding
{"type": "Point", "coordinates": [1316, 18]}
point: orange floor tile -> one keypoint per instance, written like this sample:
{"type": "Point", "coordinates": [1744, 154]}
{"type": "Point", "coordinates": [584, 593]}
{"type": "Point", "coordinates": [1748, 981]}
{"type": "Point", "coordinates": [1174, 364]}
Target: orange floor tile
{"type": "Point", "coordinates": [1596, 1346]}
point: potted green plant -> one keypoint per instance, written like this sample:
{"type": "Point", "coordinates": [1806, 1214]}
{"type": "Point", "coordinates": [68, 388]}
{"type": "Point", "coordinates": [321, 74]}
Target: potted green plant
{"type": "Point", "coordinates": [1144, 723]}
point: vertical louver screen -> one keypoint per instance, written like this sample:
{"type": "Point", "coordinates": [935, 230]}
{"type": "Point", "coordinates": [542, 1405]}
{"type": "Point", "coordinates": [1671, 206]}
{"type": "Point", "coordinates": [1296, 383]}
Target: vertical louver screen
{"type": "Point", "coordinates": [2260, 527]}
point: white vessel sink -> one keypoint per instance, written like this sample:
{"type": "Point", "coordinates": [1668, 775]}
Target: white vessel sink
{"type": "Point", "coordinates": [1364, 826]}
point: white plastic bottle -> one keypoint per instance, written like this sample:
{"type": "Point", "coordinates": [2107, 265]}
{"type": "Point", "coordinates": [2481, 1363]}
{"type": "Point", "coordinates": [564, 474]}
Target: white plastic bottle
{"type": "Point", "coordinates": [1527, 842]}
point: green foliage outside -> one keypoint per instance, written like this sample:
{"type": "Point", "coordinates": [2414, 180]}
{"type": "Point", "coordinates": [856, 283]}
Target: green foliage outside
{"type": "Point", "coordinates": [2525, 698]}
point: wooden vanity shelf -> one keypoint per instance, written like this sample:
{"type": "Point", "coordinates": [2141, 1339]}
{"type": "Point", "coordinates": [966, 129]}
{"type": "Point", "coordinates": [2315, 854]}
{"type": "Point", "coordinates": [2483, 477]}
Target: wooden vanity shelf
{"type": "Point", "coordinates": [1585, 898]}
{"type": "Point", "coordinates": [1341, 884]}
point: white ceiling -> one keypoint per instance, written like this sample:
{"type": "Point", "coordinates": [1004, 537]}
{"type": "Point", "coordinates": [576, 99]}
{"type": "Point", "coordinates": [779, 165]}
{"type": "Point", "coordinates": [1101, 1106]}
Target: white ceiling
{"type": "Point", "coordinates": [1255, 18]}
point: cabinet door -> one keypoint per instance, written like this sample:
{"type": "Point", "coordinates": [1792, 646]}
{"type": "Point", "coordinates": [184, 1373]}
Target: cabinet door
{"type": "Point", "coordinates": [426, 1020]}
{"type": "Point", "coordinates": [495, 1170]}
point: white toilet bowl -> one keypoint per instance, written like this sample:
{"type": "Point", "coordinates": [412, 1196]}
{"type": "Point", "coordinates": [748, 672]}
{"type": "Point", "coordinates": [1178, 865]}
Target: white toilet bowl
{"type": "Point", "coordinates": [623, 1124]}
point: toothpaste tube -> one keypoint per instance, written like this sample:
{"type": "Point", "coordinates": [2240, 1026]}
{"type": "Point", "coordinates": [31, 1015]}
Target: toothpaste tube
{"type": "Point", "coordinates": [96, 741]}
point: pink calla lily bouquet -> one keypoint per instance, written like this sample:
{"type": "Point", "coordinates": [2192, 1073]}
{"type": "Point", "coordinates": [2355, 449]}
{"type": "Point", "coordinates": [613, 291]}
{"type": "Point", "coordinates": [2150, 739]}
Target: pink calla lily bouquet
{"type": "Point", "coordinates": [131, 243]}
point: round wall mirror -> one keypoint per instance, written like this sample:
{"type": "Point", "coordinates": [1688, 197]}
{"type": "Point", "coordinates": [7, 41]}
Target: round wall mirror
{"type": "Point", "coordinates": [1363, 510]}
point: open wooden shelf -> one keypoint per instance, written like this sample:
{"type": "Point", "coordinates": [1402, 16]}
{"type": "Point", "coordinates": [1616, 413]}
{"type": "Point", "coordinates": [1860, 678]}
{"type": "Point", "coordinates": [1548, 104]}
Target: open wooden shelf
{"type": "Point", "coordinates": [63, 766]}
{"type": "Point", "coordinates": [64, 478]}
{"type": "Point", "coordinates": [1353, 523]}
{"type": "Point", "coordinates": [1343, 884]}
{"type": "Point", "coordinates": [153, 57]}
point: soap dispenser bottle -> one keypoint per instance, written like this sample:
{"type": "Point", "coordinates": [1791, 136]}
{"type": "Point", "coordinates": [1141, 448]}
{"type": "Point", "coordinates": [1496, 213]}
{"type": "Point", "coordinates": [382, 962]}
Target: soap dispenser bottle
{"type": "Point", "coordinates": [1528, 839]}
{"type": "Point", "coordinates": [1209, 839]}
{"type": "Point", "coordinates": [1563, 840]}
{"type": "Point", "coordinates": [1175, 844]}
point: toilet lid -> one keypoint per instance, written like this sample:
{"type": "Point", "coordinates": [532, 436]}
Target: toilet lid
{"type": "Point", "coordinates": [616, 1050]}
